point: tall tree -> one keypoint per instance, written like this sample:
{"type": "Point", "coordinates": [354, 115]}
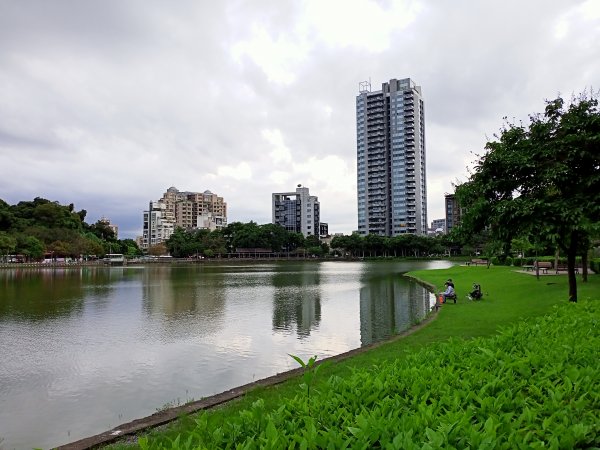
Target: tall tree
{"type": "Point", "coordinates": [540, 180]}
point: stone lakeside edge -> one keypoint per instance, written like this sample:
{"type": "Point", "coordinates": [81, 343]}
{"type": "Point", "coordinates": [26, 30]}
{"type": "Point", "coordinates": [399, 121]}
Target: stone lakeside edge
{"type": "Point", "coordinates": [171, 414]}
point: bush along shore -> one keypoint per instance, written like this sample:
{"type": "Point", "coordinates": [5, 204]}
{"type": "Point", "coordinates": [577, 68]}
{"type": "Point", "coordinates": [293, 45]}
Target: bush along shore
{"type": "Point", "coordinates": [518, 369]}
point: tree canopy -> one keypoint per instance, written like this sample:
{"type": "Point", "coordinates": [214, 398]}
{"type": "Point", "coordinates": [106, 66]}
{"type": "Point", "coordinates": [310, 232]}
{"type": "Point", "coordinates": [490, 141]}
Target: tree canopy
{"type": "Point", "coordinates": [540, 181]}
{"type": "Point", "coordinates": [35, 228]}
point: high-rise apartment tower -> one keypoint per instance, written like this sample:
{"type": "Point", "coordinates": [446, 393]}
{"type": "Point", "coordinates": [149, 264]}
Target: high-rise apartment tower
{"type": "Point", "coordinates": [390, 150]}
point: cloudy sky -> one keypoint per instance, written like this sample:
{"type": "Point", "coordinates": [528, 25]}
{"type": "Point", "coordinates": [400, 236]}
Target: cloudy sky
{"type": "Point", "coordinates": [107, 103]}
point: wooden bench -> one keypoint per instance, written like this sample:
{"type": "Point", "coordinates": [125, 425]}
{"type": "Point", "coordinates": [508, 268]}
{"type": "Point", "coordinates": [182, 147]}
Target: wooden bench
{"type": "Point", "coordinates": [477, 261]}
{"type": "Point", "coordinates": [564, 268]}
{"type": "Point", "coordinates": [543, 265]}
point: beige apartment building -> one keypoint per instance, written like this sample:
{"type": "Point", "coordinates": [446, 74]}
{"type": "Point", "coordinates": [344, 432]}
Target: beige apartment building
{"type": "Point", "coordinates": [182, 209]}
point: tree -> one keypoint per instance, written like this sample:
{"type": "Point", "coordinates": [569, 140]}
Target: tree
{"type": "Point", "coordinates": [129, 247]}
{"type": "Point", "coordinates": [7, 244]}
{"type": "Point", "coordinates": [60, 249]}
{"type": "Point", "coordinates": [30, 246]}
{"type": "Point", "coordinates": [272, 236]}
{"type": "Point", "coordinates": [540, 180]}
{"type": "Point", "coordinates": [295, 240]}
{"type": "Point", "coordinates": [158, 249]}
{"type": "Point", "coordinates": [103, 231]}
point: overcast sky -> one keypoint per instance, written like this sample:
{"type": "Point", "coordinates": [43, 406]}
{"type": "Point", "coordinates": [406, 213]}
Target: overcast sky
{"type": "Point", "coordinates": [107, 103]}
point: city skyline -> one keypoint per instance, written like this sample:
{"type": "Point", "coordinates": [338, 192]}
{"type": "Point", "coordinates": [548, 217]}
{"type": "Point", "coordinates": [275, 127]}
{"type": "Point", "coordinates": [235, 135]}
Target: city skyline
{"type": "Point", "coordinates": [105, 104]}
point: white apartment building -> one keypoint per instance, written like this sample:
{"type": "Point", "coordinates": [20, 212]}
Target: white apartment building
{"type": "Point", "coordinates": [159, 225]}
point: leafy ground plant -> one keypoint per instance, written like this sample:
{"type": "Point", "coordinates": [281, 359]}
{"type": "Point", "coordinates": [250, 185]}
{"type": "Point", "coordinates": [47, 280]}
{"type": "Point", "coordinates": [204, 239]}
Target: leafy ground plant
{"type": "Point", "coordinates": [532, 386]}
{"type": "Point", "coordinates": [309, 374]}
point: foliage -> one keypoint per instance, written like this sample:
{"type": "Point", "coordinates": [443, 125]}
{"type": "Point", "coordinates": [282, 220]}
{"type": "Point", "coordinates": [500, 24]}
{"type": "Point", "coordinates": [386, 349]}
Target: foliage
{"type": "Point", "coordinates": [309, 374]}
{"type": "Point", "coordinates": [524, 185]}
{"type": "Point", "coordinates": [404, 245]}
{"type": "Point", "coordinates": [540, 393]}
{"type": "Point", "coordinates": [158, 249]}
{"type": "Point", "coordinates": [8, 243]}
{"type": "Point", "coordinates": [41, 227]}
{"type": "Point", "coordinates": [236, 235]}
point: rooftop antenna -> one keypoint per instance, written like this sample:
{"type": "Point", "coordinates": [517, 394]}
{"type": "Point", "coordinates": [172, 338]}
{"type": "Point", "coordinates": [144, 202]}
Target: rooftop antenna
{"type": "Point", "coordinates": [364, 86]}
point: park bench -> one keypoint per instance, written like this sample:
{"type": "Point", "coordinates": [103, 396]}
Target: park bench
{"type": "Point", "coordinates": [564, 268]}
{"type": "Point", "coordinates": [477, 261]}
{"type": "Point", "coordinates": [543, 265]}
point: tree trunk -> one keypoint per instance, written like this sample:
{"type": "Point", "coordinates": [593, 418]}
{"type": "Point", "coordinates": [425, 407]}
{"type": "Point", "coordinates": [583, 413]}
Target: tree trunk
{"type": "Point", "coordinates": [584, 266]}
{"type": "Point", "coordinates": [571, 255]}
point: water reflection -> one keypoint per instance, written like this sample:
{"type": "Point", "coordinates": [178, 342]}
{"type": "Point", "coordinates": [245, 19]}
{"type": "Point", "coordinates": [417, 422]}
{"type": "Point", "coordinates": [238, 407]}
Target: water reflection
{"type": "Point", "coordinates": [389, 306]}
{"type": "Point", "coordinates": [297, 300]}
{"type": "Point", "coordinates": [184, 301]}
{"type": "Point", "coordinates": [29, 294]}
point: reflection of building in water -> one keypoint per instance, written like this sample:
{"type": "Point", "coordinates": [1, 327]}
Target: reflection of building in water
{"type": "Point", "coordinates": [187, 301]}
{"type": "Point", "coordinates": [389, 306]}
{"type": "Point", "coordinates": [297, 301]}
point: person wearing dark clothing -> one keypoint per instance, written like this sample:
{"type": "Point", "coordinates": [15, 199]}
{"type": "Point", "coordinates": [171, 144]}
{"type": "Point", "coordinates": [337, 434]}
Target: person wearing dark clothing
{"type": "Point", "coordinates": [476, 293]}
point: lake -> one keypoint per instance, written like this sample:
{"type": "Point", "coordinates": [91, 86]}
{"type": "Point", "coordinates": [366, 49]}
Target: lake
{"type": "Point", "coordinates": [85, 349]}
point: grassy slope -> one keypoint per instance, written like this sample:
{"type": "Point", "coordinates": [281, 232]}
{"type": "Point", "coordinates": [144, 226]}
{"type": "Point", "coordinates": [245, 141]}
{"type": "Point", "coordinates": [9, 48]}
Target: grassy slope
{"type": "Point", "coordinates": [508, 297]}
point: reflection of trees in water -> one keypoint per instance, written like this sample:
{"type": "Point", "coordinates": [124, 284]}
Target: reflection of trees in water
{"type": "Point", "coordinates": [188, 301]}
{"type": "Point", "coordinates": [38, 294]}
{"type": "Point", "coordinates": [297, 300]}
{"type": "Point", "coordinates": [389, 306]}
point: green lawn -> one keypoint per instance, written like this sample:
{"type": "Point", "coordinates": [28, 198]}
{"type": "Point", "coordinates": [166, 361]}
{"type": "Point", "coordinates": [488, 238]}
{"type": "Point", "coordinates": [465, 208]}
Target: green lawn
{"type": "Point", "coordinates": [509, 297]}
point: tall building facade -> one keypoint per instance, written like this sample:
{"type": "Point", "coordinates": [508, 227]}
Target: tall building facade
{"type": "Point", "coordinates": [182, 209]}
{"type": "Point", "coordinates": [453, 212]}
{"type": "Point", "coordinates": [390, 143]}
{"type": "Point", "coordinates": [297, 211]}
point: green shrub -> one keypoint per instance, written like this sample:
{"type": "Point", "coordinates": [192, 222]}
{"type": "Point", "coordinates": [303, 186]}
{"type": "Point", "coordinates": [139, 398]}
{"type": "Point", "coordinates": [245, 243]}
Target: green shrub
{"type": "Point", "coordinates": [518, 262]}
{"type": "Point", "coordinates": [496, 261]}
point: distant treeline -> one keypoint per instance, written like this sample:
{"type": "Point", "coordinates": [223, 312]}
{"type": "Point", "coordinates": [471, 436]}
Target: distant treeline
{"type": "Point", "coordinates": [43, 228]}
{"type": "Point", "coordinates": [250, 236]}
{"type": "Point", "coordinates": [237, 236]}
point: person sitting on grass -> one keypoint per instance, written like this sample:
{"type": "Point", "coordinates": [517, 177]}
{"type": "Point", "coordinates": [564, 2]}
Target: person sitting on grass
{"type": "Point", "coordinates": [476, 293]}
{"type": "Point", "coordinates": [449, 292]}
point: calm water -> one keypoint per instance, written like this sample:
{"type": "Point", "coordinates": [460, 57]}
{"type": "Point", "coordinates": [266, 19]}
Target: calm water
{"type": "Point", "coordinates": [86, 349]}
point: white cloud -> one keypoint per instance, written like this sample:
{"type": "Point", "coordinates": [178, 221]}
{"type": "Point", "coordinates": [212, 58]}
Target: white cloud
{"type": "Point", "coordinates": [277, 57]}
{"type": "Point", "coordinates": [279, 153]}
{"type": "Point", "coordinates": [242, 171]}
{"type": "Point", "coordinates": [365, 24]}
